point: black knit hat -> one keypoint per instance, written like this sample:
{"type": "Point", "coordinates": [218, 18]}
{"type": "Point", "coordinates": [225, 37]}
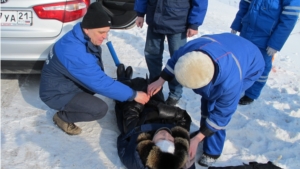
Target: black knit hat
{"type": "Point", "coordinates": [95, 17]}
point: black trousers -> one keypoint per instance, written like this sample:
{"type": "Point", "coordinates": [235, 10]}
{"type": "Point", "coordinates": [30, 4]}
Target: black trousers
{"type": "Point", "coordinates": [83, 107]}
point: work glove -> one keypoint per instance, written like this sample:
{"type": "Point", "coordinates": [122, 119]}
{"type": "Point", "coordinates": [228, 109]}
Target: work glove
{"type": "Point", "coordinates": [271, 51]}
{"type": "Point", "coordinates": [233, 31]}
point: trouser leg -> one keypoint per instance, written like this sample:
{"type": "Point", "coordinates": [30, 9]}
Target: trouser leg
{"type": "Point", "coordinates": [254, 91]}
{"type": "Point", "coordinates": [214, 144]}
{"type": "Point", "coordinates": [154, 52]}
{"type": "Point", "coordinates": [83, 107]}
{"type": "Point", "coordinates": [175, 41]}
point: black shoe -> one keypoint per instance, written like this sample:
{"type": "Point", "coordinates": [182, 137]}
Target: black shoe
{"type": "Point", "coordinates": [171, 101]}
{"type": "Point", "coordinates": [245, 100]}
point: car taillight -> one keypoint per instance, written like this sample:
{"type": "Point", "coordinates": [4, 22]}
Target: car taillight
{"type": "Point", "coordinates": [62, 11]}
{"type": "Point", "coordinates": [87, 2]}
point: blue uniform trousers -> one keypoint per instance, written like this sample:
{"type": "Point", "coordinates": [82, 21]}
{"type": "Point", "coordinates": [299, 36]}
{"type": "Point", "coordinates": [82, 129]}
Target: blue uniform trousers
{"type": "Point", "coordinates": [254, 91]}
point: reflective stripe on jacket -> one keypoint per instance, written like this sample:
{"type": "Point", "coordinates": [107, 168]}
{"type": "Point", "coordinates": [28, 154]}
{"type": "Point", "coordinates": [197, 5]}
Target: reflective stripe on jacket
{"type": "Point", "coordinates": [238, 63]}
{"type": "Point", "coordinates": [266, 22]}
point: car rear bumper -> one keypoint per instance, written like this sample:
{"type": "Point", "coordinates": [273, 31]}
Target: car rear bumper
{"type": "Point", "coordinates": [21, 67]}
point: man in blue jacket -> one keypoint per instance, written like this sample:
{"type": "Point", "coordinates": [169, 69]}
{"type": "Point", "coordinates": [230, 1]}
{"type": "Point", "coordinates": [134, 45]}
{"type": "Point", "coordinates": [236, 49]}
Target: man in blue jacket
{"type": "Point", "coordinates": [267, 24]}
{"type": "Point", "coordinates": [219, 68]}
{"type": "Point", "coordinates": [74, 72]}
{"type": "Point", "coordinates": [175, 20]}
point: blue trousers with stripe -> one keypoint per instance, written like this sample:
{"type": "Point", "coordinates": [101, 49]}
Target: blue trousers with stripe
{"type": "Point", "coordinates": [254, 91]}
{"type": "Point", "coordinates": [214, 144]}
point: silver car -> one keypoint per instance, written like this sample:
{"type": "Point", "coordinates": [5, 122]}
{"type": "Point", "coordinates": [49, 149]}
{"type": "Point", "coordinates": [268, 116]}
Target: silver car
{"type": "Point", "coordinates": [30, 28]}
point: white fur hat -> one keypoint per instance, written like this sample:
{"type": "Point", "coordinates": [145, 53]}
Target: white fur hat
{"type": "Point", "coordinates": [194, 70]}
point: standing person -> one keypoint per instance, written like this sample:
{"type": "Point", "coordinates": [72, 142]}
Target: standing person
{"type": "Point", "coordinates": [219, 68]}
{"type": "Point", "coordinates": [267, 24]}
{"type": "Point", "coordinates": [175, 20]}
{"type": "Point", "coordinates": [74, 72]}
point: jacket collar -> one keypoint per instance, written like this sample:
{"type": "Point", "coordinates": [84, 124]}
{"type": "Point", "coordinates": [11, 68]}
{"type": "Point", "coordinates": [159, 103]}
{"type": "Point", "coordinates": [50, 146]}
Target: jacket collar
{"type": "Point", "coordinates": [79, 33]}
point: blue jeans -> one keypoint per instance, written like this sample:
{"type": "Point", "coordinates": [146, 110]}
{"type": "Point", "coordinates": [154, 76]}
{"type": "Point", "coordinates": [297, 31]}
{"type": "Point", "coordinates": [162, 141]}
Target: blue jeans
{"type": "Point", "coordinates": [154, 49]}
{"type": "Point", "coordinates": [254, 91]}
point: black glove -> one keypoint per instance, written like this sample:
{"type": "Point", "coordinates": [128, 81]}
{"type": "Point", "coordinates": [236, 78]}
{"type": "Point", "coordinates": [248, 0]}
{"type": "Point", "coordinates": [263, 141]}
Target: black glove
{"type": "Point", "coordinates": [170, 112]}
{"type": "Point", "coordinates": [123, 74]}
{"type": "Point", "coordinates": [251, 165]}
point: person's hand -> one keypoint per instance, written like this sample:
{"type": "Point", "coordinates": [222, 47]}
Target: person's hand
{"type": "Point", "coordinates": [233, 31]}
{"type": "Point", "coordinates": [141, 97]}
{"type": "Point", "coordinates": [191, 32]}
{"type": "Point", "coordinates": [139, 22]}
{"type": "Point", "coordinates": [154, 87]}
{"type": "Point", "coordinates": [194, 144]}
{"type": "Point", "coordinates": [271, 51]}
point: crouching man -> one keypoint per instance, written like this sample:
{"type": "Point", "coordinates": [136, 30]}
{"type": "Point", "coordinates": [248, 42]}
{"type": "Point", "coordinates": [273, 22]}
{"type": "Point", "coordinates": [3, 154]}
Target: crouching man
{"type": "Point", "coordinates": [154, 135]}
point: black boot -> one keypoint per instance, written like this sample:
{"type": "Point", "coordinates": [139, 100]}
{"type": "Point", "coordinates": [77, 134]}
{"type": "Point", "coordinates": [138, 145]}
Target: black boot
{"type": "Point", "coordinates": [172, 101]}
{"type": "Point", "coordinates": [245, 100]}
{"type": "Point", "coordinates": [128, 72]}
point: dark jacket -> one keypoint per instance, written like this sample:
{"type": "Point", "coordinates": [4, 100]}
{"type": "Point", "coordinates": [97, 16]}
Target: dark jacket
{"type": "Point", "coordinates": [172, 16]}
{"type": "Point", "coordinates": [149, 119]}
{"type": "Point", "coordinates": [74, 65]}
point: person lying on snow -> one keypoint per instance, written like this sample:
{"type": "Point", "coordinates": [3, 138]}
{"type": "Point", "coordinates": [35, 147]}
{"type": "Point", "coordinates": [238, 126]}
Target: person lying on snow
{"type": "Point", "coordinates": [154, 135]}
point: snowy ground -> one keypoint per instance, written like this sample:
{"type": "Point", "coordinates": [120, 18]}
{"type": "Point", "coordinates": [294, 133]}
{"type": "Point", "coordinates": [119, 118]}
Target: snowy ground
{"type": "Point", "coordinates": [267, 130]}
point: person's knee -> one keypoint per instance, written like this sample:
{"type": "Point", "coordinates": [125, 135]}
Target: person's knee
{"type": "Point", "coordinates": [101, 111]}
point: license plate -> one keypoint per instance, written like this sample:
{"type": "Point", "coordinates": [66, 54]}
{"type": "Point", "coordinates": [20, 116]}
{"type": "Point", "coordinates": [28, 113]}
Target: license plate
{"type": "Point", "coordinates": [16, 18]}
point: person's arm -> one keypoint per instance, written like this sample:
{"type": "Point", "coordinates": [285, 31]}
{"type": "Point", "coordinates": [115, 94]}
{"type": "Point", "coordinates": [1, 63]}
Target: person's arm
{"type": "Point", "coordinates": [86, 72]}
{"type": "Point", "coordinates": [287, 21]}
{"type": "Point", "coordinates": [217, 119]}
{"type": "Point", "coordinates": [194, 144]}
{"type": "Point", "coordinates": [243, 9]}
{"type": "Point", "coordinates": [155, 86]}
{"type": "Point", "coordinates": [196, 16]}
{"type": "Point", "coordinates": [140, 6]}
{"type": "Point", "coordinates": [197, 13]}
{"type": "Point", "coordinates": [167, 73]}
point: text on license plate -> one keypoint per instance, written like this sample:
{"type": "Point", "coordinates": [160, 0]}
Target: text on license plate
{"type": "Point", "coordinates": [16, 18]}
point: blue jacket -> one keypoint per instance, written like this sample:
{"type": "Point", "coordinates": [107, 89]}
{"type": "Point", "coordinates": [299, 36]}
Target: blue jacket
{"type": "Point", "coordinates": [266, 22]}
{"type": "Point", "coordinates": [74, 65]}
{"type": "Point", "coordinates": [172, 16]}
{"type": "Point", "coordinates": [238, 63]}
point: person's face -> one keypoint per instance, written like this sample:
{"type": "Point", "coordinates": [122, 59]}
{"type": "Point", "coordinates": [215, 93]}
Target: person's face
{"type": "Point", "coordinates": [162, 135]}
{"type": "Point", "coordinates": [97, 35]}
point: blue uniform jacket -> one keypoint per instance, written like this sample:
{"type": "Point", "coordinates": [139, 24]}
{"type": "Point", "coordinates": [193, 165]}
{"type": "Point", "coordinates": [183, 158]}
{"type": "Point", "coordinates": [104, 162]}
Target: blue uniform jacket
{"type": "Point", "coordinates": [238, 64]}
{"type": "Point", "coordinates": [172, 16]}
{"type": "Point", "coordinates": [266, 22]}
{"type": "Point", "coordinates": [74, 65]}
